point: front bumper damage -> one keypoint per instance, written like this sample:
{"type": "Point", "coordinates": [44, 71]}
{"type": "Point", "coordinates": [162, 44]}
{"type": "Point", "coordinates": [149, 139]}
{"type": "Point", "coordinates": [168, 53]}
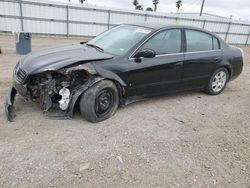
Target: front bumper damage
{"type": "Point", "coordinates": [75, 93]}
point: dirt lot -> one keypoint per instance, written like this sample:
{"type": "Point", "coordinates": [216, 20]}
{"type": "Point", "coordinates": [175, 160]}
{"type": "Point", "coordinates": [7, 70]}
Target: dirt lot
{"type": "Point", "coordinates": [182, 140]}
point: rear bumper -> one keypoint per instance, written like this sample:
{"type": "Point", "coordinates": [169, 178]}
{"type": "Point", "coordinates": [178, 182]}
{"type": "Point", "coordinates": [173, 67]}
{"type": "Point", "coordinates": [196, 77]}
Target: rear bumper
{"type": "Point", "coordinates": [9, 104]}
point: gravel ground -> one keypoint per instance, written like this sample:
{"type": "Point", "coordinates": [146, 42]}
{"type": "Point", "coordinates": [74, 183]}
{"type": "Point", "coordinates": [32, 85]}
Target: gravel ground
{"type": "Point", "coordinates": [183, 140]}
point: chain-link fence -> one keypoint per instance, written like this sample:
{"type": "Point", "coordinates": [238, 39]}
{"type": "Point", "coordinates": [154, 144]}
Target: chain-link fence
{"type": "Point", "coordinates": [55, 18]}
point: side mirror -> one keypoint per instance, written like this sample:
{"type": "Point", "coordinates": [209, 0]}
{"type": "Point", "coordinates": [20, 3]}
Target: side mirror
{"type": "Point", "coordinates": [146, 53]}
{"type": "Point", "coordinates": [83, 42]}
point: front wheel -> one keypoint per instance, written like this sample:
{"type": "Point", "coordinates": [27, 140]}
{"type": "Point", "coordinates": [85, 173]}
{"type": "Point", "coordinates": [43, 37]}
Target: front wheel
{"type": "Point", "coordinates": [100, 101]}
{"type": "Point", "coordinates": [217, 82]}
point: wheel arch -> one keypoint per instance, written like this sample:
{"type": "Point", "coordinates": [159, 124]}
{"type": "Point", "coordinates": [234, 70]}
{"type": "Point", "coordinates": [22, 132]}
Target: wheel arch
{"type": "Point", "coordinates": [100, 101]}
{"type": "Point", "coordinates": [227, 66]}
{"type": "Point", "coordinates": [96, 74]}
{"type": "Point", "coordinates": [93, 81]}
{"type": "Point", "coordinates": [121, 91]}
{"type": "Point", "coordinates": [119, 82]}
{"type": "Point", "coordinates": [229, 70]}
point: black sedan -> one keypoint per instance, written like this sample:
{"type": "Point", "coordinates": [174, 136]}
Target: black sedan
{"type": "Point", "coordinates": [124, 64]}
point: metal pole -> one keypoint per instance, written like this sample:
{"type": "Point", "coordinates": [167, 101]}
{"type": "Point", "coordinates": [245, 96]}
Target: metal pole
{"type": "Point", "coordinates": [204, 23]}
{"type": "Point", "coordinates": [108, 19]}
{"type": "Point", "coordinates": [203, 1]}
{"type": "Point", "coordinates": [248, 37]}
{"type": "Point", "coordinates": [67, 10]}
{"type": "Point", "coordinates": [21, 14]}
{"type": "Point", "coordinates": [146, 17]}
{"type": "Point", "coordinates": [228, 28]}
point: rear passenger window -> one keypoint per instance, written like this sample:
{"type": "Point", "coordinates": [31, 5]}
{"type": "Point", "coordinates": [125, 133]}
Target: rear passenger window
{"type": "Point", "coordinates": [198, 41]}
{"type": "Point", "coordinates": [216, 43]}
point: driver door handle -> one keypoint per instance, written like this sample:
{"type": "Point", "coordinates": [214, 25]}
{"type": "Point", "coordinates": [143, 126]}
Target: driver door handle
{"type": "Point", "coordinates": [218, 59]}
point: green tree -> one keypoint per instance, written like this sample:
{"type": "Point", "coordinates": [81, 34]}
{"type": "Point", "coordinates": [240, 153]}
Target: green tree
{"type": "Point", "coordinates": [149, 9]}
{"type": "Point", "coordinates": [135, 3]}
{"type": "Point", "coordinates": [81, 1]}
{"type": "Point", "coordinates": [178, 5]}
{"type": "Point", "coordinates": [155, 3]}
{"type": "Point", "coordinates": [138, 7]}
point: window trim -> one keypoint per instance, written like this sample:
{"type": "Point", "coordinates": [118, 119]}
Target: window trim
{"type": "Point", "coordinates": [212, 36]}
{"type": "Point", "coordinates": [219, 45]}
{"type": "Point", "coordinates": [181, 53]}
{"type": "Point", "coordinates": [154, 34]}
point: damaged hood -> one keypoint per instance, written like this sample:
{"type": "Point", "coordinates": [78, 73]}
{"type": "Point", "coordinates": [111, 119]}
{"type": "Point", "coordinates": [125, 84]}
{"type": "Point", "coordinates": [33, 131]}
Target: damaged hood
{"type": "Point", "coordinates": [59, 57]}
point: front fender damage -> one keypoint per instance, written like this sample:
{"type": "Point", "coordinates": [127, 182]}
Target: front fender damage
{"type": "Point", "coordinates": [58, 91]}
{"type": "Point", "coordinates": [86, 67]}
{"type": "Point", "coordinates": [77, 92]}
{"type": "Point", "coordinates": [9, 104]}
{"type": "Point", "coordinates": [66, 85]}
{"type": "Point", "coordinates": [74, 96]}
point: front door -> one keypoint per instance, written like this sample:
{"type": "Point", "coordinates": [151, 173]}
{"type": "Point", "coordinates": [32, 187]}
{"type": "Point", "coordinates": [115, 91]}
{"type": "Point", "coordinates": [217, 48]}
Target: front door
{"type": "Point", "coordinates": [163, 73]}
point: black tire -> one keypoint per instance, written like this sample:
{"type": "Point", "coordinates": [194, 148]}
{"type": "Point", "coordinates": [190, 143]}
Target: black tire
{"type": "Point", "coordinates": [100, 101]}
{"type": "Point", "coordinates": [210, 89]}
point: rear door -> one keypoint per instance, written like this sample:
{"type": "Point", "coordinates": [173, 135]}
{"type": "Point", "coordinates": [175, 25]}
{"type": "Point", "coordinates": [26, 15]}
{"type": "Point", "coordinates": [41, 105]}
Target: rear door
{"type": "Point", "coordinates": [202, 53]}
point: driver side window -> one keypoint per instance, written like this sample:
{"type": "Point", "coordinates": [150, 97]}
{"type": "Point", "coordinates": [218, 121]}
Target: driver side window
{"type": "Point", "coordinates": [165, 42]}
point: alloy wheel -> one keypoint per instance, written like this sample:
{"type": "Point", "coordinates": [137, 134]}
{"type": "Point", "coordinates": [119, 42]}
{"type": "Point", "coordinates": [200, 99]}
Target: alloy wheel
{"type": "Point", "coordinates": [219, 81]}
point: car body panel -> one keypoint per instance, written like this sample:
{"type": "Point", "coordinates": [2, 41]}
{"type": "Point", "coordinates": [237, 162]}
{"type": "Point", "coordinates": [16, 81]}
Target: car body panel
{"type": "Point", "coordinates": [233, 58]}
{"type": "Point", "coordinates": [157, 75]}
{"type": "Point", "coordinates": [198, 67]}
{"type": "Point", "coordinates": [136, 78]}
{"type": "Point", "coordinates": [59, 57]}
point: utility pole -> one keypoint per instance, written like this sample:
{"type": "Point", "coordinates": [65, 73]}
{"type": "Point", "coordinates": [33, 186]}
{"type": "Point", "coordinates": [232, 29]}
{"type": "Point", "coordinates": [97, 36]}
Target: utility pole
{"type": "Point", "coordinates": [203, 1]}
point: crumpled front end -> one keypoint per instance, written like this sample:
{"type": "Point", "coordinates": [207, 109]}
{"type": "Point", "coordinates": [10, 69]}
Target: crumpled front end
{"type": "Point", "coordinates": [9, 104]}
{"type": "Point", "coordinates": [55, 91]}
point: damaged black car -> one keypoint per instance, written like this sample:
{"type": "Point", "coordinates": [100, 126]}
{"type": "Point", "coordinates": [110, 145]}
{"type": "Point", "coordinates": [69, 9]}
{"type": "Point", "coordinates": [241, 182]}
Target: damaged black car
{"type": "Point", "coordinates": [126, 63]}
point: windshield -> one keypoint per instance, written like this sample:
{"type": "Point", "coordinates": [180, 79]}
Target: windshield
{"type": "Point", "coordinates": [120, 40]}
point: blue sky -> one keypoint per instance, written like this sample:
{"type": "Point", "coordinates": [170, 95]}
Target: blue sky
{"type": "Point", "coordinates": [239, 9]}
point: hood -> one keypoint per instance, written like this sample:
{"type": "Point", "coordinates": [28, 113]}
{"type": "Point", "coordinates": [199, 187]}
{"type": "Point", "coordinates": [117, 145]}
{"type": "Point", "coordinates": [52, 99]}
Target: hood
{"type": "Point", "coordinates": [59, 57]}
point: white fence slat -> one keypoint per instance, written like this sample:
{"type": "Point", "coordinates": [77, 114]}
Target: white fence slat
{"type": "Point", "coordinates": [216, 27]}
{"type": "Point", "coordinates": [10, 24]}
{"type": "Point", "coordinates": [85, 29]}
{"type": "Point", "coordinates": [88, 15]}
{"type": "Point", "coordinates": [49, 12]}
{"type": "Point", "coordinates": [9, 8]}
{"type": "Point", "coordinates": [236, 39]}
{"type": "Point", "coordinates": [238, 29]}
{"type": "Point", "coordinates": [45, 27]}
{"type": "Point", "coordinates": [118, 18]}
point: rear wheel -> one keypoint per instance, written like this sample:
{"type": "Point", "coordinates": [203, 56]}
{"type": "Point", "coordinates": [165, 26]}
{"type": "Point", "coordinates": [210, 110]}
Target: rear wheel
{"type": "Point", "coordinates": [100, 101]}
{"type": "Point", "coordinates": [217, 81]}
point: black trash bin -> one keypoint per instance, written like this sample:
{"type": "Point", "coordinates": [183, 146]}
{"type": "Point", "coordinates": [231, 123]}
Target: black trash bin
{"type": "Point", "coordinates": [23, 43]}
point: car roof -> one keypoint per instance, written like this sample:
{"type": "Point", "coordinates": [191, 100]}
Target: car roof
{"type": "Point", "coordinates": [152, 25]}
{"type": "Point", "coordinates": [161, 25]}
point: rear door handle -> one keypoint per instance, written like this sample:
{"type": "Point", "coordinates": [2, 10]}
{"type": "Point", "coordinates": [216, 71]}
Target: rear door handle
{"type": "Point", "coordinates": [179, 64]}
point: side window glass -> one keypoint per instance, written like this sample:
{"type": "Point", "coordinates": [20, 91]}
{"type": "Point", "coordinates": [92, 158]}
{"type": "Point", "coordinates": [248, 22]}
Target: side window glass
{"type": "Point", "coordinates": [216, 43]}
{"type": "Point", "coordinates": [166, 42]}
{"type": "Point", "coordinates": [198, 41]}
